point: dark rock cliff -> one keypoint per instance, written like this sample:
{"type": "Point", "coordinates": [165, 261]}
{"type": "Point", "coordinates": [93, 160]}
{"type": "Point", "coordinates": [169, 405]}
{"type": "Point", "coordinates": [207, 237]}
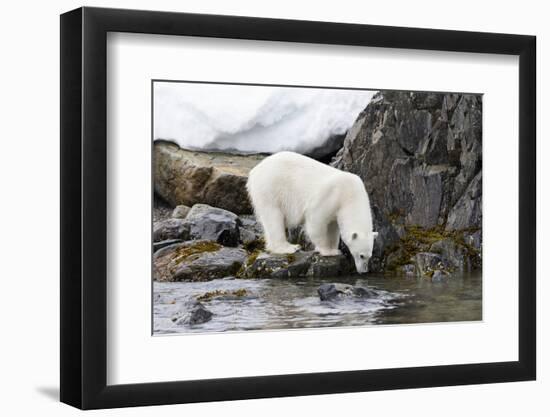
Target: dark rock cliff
{"type": "Point", "coordinates": [419, 155]}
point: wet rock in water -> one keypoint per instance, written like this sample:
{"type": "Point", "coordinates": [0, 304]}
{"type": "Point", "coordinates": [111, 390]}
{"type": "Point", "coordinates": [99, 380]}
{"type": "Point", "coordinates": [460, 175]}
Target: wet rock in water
{"type": "Point", "coordinates": [170, 229]}
{"type": "Point", "coordinates": [407, 269]}
{"type": "Point", "coordinates": [329, 266]}
{"type": "Point", "coordinates": [267, 265]}
{"type": "Point", "coordinates": [299, 264]}
{"type": "Point", "coordinates": [163, 243]}
{"type": "Point", "coordinates": [337, 291]}
{"type": "Point", "coordinates": [212, 223]}
{"type": "Point", "coordinates": [440, 276]}
{"type": "Point", "coordinates": [196, 261]}
{"type": "Point", "coordinates": [192, 313]}
{"type": "Point", "coordinates": [456, 254]}
{"type": "Point", "coordinates": [427, 263]}
{"type": "Point", "coordinates": [180, 212]}
{"type": "Point", "coordinates": [225, 295]}
{"type": "Point", "coordinates": [187, 177]}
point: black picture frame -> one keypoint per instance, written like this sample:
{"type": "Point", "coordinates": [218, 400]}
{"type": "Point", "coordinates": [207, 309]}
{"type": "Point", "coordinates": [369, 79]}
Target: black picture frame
{"type": "Point", "coordinates": [84, 207]}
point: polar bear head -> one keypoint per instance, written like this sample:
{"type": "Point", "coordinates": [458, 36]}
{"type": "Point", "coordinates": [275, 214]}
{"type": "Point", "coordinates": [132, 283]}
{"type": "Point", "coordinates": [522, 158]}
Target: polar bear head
{"type": "Point", "coordinates": [360, 245]}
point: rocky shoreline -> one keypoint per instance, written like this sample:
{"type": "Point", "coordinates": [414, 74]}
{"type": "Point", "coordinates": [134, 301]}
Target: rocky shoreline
{"type": "Point", "coordinates": [419, 155]}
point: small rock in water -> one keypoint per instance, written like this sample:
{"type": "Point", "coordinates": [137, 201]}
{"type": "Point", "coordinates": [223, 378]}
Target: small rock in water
{"type": "Point", "coordinates": [439, 276]}
{"type": "Point", "coordinates": [337, 291]}
{"type": "Point", "coordinates": [194, 312]}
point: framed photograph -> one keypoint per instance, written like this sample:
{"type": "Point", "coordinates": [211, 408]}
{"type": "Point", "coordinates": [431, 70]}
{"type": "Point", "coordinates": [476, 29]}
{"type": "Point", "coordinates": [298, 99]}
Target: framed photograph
{"type": "Point", "coordinates": [256, 208]}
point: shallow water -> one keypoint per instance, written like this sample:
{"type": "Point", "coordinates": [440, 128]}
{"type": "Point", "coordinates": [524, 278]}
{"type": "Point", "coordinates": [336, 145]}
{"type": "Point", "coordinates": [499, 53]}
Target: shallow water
{"type": "Point", "coordinates": [290, 304]}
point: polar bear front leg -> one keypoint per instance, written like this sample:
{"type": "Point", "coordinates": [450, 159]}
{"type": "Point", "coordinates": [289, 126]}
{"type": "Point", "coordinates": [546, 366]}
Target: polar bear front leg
{"type": "Point", "coordinates": [333, 239]}
{"type": "Point", "coordinates": [321, 235]}
{"type": "Point", "coordinates": [273, 222]}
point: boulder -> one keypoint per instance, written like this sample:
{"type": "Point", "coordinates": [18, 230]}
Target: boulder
{"type": "Point", "coordinates": [338, 291]}
{"type": "Point", "coordinates": [330, 266]}
{"type": "Point", "coordinates": [212, 223]}
{"type": "Point", "coordinates": [170, 229]}
{"type": "Point", "coordinates": [196, 261]}
{"type": "Point", "coordinates": [250, 230]}
{"type": "Point", "coordinates": [192, 313]}
{"type": "Point", "coordinates": [267, 265]}
{"type": "Point", "coordinates": [188, 177]}
{"type": "Point", "coordinates": [180, 212]}
{"type": "Point", "coordinates": [457, 255]}
{"type": "Point", "coordinates": [427, 263]}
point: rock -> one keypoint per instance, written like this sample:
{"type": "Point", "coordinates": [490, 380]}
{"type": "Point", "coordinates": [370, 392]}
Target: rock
{"type": "Point", "coordinates": [427, 263]}
{"type": "Point", "coordinates": [337, 291]}
{"type": "Point", "coordinates": [163, 243]}
{"type": "Point", "coordinates": [466, 213]}
{"type": "Point", "coordinates": [187, 177]}
{"type": "Point", "coordinates": [212, 223]}
{"type": "Point", "coordinates": [250, 230]}
{"type": "Point", "coordinates": [267, 265]}
{"type": "Point", "coordinates": [407, 269]}
{"type": "Point", "coordinates": [180, 212]}
{"type": "Point", "coordinates": [192, 313]}
{"type": "Point", "coordinates": [196, 261]}
{"type": "Point", "coordinates": [419, 156]}
{"type": "Point", "coordinates": [457, 255]}
{"type": "Point", "coordinates": [440, 276]}
{"type": "Point", "coordinates": [330, 266]}
{"type": "Point", "coordinates": [170, 229]}
{"type": "Point", "coordinates": [161, 209]}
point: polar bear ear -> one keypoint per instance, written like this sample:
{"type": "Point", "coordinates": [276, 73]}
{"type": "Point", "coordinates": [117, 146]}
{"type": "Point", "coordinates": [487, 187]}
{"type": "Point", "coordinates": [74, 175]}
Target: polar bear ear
{"type": "Point", "coordinates": [354, 236]}
{"type": "Point", "coordinates": [374, 235]}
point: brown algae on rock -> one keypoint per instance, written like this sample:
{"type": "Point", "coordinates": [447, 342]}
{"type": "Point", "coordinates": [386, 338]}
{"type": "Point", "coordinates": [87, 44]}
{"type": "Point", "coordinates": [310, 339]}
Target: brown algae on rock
{"type": "Point", "coordinates": [210, 295]}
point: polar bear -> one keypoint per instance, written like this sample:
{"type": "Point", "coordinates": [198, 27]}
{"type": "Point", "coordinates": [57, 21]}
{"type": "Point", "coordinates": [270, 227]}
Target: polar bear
{"type": "Point", "coordinates": [288, 189]}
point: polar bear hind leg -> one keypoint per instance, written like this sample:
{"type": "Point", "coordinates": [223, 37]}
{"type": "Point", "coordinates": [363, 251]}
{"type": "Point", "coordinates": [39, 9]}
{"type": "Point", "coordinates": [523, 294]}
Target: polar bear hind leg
{"type": "Point", "coordinates": [273, 222]}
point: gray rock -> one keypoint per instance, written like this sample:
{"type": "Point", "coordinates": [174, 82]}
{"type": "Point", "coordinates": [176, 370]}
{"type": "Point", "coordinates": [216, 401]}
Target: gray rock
{"type": "Point", "coordinates": [170, 229]}
{"type": "Point", "coordinates": [212, 223]}
{"type": "Point", "coordinates": [427, 263]}
{"type": "Point", "coordinates": [267, 265]}
{"type": "Point", "coordinates": [330, 266]}
{"type": "Point", "coordinates": [338, 291]}
{"type": "Point", "coordinates": [408, 269]}
{"type": "Point", "coordinates": [440, 276]}
{"type": "Point", "coordinates": [466, 213]}
{"type": "Point", "coordinates": [163, 243]}
{"type": "Point", "coordinates": [457, 255]}
{"type": "Point", "coordinates": [250, 230]}
{"type": "Point", "coordinates": [187, 177]}
{"type": "Point", "coordinates": [192, 313]}
{"type": "Point", "coordinates": [196, 261]}
{"type": "Point", "coordinates": [419, 155]}
{"type": "Point", "coordinates": [180, 212]}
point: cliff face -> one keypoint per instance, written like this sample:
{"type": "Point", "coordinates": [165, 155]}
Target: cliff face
{"type": "Point", "coordinates": [419, 155]}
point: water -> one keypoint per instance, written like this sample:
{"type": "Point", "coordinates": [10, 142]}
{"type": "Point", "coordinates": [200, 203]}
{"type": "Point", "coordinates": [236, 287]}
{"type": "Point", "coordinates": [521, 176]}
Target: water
{"type": "Point", "coordinates": [291, 304]}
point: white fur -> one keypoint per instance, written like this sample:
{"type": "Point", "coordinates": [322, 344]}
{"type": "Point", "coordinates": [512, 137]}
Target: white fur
{"type": "Point", "coordinates": [288, 189]}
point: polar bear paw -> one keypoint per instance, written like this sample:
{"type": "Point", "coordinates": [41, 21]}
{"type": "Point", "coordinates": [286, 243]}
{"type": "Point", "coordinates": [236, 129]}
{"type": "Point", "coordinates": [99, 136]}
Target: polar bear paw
{"type": "Point", "coordinates": [283, 249]}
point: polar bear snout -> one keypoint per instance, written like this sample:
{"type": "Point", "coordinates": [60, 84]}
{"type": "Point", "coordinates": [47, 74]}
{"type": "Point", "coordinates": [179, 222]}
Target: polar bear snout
{"type": "Point", "coordinates": [361, 264]}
